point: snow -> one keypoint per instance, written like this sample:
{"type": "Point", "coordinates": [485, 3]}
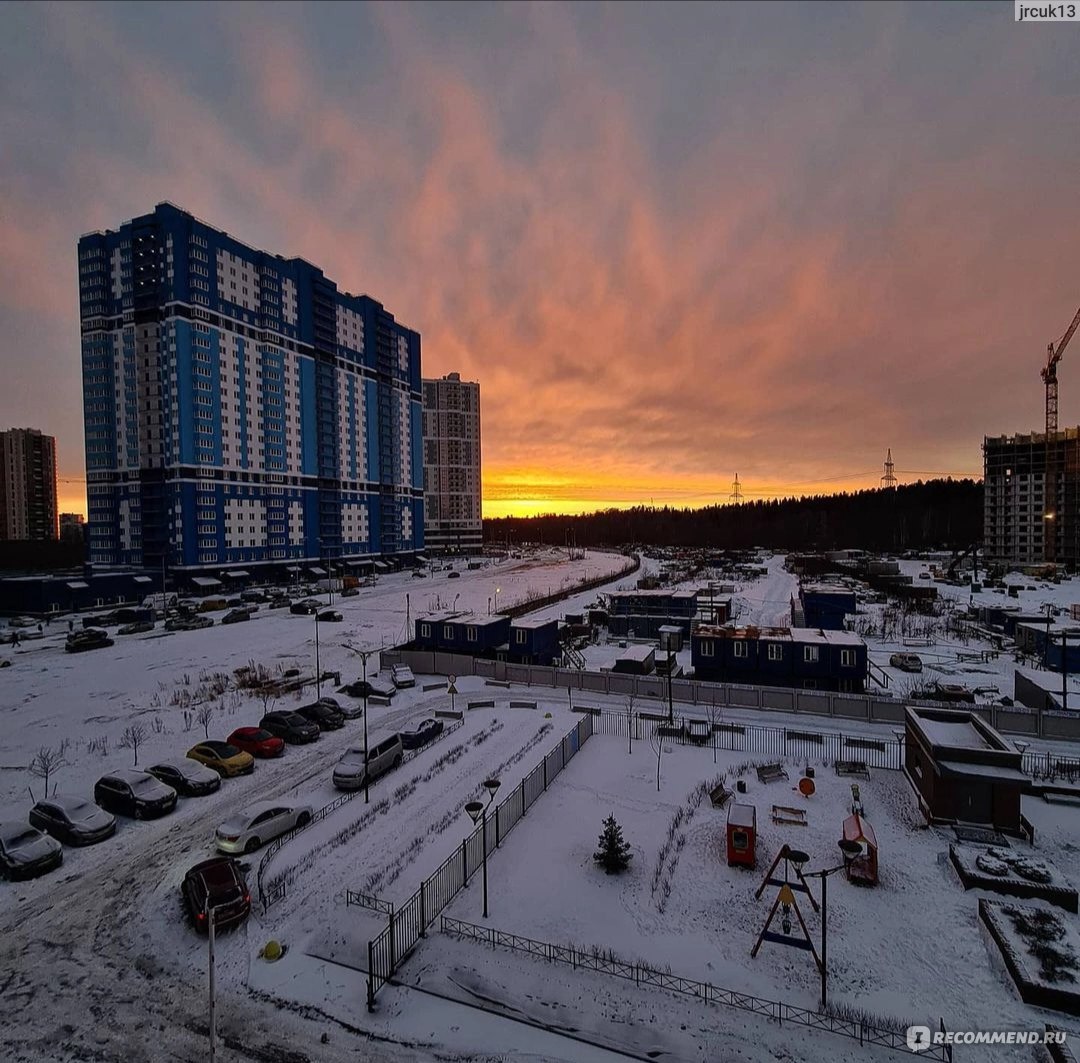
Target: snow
{"type": "Point", "coordinates": [952, 733]}
{"type": "Point", "coordinates": [100, 964]}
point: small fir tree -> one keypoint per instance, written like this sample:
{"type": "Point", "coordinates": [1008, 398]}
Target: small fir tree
{"type": "Point", "coordinates": [614, 853]}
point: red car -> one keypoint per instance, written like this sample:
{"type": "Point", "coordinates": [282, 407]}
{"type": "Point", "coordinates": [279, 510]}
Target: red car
{"type": "Point", "coordinates": [257, 742]}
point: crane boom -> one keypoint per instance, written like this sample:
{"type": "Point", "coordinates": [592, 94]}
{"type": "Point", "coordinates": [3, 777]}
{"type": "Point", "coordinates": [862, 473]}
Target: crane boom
{"type": "Point", "coordinates": [1049, 374]}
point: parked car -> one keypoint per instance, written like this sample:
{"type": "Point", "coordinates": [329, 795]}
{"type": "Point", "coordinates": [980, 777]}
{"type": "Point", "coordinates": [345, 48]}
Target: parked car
{"type": "Point", "coordinates": [252, 596]}
{"type": "Point", "coordinates": [906, 662]}
{"type": "Point", "coordinates": [26, 853]}
{"type": "Point", "coordinates": [349, 773]}
{"type": "Point", "coordinates": [91, 638]}
{"type": "Point", "coordinates": [425, 731]}
{"type": "Point", "coordinates": [350, 712]}
{"type": "Point", "coordinates": [234, 603]}
{"type": "Point", "coordinates": [374, 686]}
{"type": "Point", "coordinates": [350, 592]}
{"type": "Point", "coordinates": [257, 741]}
{"type": "Point", "coordinates": [224, 758]}
{"type": "Point", "coordinates": [307, 607]}
{"type": "Point", "coordinates": [236, 616]}
{"type": "Point", "coordinates": [139, 627]}
{"type": "Point", "coordinates": [418, 573]}
{"type": "Point", "coordinates": [453, 574]}
{"type": "Point", "coordinates": [244, 832]}
{"type": "Point", "coordinates": [323, 715]}
{"type": "Point", "coordinates": [280, 602]}
{"type": "Point", "coordinates": [212, 605]}
{"type": "Point", "coordinates": [402, 676]}
{"type": "Point", "coordinates": [290, 726]}
{"type": "Point", "coordinates": [188, 623]}
{"type": "Point", "coordinates": [218, 884]}
{"type": "Point", "coordinates": [22, 621]}
{"type": "Point", "coordinates": [330, 616]}
{"type": "Point", "coordinates": [72, 820]}
{"type": "Point", "coordinates": [187, 777]}
{"type": "Point", "coordinates": [128, 792]}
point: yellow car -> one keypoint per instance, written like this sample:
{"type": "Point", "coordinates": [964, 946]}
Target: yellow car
{"type": "Point", "coordinates": [226, 760]}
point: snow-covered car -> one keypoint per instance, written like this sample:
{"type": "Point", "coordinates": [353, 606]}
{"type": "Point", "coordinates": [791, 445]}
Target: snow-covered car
{"type": "Point", "coordinates": [22, 621]}
{"type": "Point", "coordinates": [26, 852]}
{"type": "Point", "coordinates": [350, 774]}
{"type": "Point", "coordinates": [350, 592]}
{"type": "Point", "coordinates": [425, 731]}
{"type": "Point", "coordinates": [906, 662]}
{"type": "Point", "coordinates": [137, 627]}
{"type": "Point", "coordinates": [373, 687]}
{"type": "Point", "coordinates": [72, 820]}
{"type": "Point", "coordinates": [246, 831]}
{"type": "Point", "coordinates": [236, 616]}
{"type": "Point", "coordinates": [128, 792]}
{"type": "Point", "coordinates": [188, 623]}
{"type": "Point", "coordinates": [306, 607]}
{"type": "Point", "coordinates": [91, 638]}
{"type": "Point", "coordinates": [187, 777]}
{"type": "Point", "coordinates": [350, 712]}
{"type": "Point", "coordinates": [330, 616]}
{"type": "Point", "coordinates": [402, 675]}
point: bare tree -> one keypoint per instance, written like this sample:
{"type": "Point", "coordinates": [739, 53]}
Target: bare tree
{"type": "Point", "coordinates": [714, 714]}
{"type": "Point", "coordinates": [630, 699]}
{"type": "Point", "coordinates": [268, 697]}
{"type": "Point", "coordinates": [656, 739]}
{"type": "Point", "coordinates": [46, 763]}
{"type": "Point", "coordinates": [205, 717]}
{"type": "Point", "coordinates": [132, 738]}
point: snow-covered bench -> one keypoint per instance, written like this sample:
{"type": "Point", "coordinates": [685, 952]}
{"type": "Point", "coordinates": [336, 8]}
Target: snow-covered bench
{"type": "Point", "coordinates": [771, 772]}
{"type": "Point", "coordinates": [852, 767]}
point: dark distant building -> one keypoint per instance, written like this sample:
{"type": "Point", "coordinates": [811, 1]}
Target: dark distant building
{"type": "Point", "coordinates": [27, 485]}
{"type": "Point", "coordinates": [1031, 499]}
{"type": "Point", "coordinates": [641, 613]}
{"type": "Point", "coordinates": [823, 605]}
{"type": "Point", "coordinates": [72, 527]}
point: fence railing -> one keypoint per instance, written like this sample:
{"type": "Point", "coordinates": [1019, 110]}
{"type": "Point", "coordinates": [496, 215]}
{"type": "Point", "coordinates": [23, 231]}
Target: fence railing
{"type": "Point", "coordinates": [356, 899]}
{"type": "Point", "coordinates": [271, 894]}
{"type": "Point", "coordinates": [409, 922]}
{"type": "Point", "coordinates": [802, 744]}
{"type": "Point", "coordinates": [603, 961]}
{"type": "Point", "coordinates": [1051, 766]}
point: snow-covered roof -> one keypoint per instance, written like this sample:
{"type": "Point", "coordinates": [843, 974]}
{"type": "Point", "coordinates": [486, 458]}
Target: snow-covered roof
{"type": "Point", "coordinates": [205, 581]}
{"type": "Point", "coordinates": [741, 815]}
{"type": "Point", "coordinates": [528, 624]}
{"type": "Point", "coordinates": [636, 653]}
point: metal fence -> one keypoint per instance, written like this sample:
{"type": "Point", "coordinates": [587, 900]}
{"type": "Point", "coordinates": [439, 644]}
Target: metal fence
{"type": "Point", "coordinates": [603, 961]}
{"type": "Point", "coordinates": [408, 923]}
{"type": "Point", "coordinates": [1051, 766]}
{"type": "Point", "coordinates": [271, 894]}
{"type": "Point", "coordinates": [799, 744]}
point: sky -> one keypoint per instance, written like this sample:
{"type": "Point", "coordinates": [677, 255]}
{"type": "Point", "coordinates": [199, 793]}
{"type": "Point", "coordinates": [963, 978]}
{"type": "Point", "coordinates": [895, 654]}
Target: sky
{"type": "Point", "coordinates": [674, 243]}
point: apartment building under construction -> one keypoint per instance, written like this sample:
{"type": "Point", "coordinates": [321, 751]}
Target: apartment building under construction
{"type": "Point", "coordinates": [1031, 499]}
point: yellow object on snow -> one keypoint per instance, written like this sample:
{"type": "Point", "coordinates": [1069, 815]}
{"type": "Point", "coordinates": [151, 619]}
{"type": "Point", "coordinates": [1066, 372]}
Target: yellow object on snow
{"type": "Point", "coordinates": [271, 951]}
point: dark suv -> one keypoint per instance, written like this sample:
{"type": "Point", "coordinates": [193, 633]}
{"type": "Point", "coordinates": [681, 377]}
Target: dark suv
{"type": "Point", "coordinates": [323, 715]}
{"type": "Point", "coordinates": [291, 726]}
{"type": "Point", "coordinates": [134, 793]}
{"type": "Point", "coordinates": [218, 884]}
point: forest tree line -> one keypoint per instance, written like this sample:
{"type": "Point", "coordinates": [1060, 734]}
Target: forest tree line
{"type": "Point", "coordinates": [937, 513]}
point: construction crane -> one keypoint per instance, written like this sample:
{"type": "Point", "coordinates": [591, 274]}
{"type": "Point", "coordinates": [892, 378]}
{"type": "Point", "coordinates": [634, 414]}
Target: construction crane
{"type": "Point", "coordinates": [1049, 375]}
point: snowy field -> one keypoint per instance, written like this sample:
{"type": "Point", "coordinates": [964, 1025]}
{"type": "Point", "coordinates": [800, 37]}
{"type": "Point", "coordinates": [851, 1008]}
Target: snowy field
{"type": "Point", "coordinates": [99, 964]}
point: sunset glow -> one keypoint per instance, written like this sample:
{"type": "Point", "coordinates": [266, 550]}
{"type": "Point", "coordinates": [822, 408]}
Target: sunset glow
{"type": "Point", "coordinates": [700, 241]}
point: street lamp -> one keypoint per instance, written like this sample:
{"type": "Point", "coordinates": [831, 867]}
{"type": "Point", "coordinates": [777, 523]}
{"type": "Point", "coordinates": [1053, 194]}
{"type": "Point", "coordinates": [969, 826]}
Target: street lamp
{"type": "Point", "coordinates": [849, 851]}
{"type": "Point", "coordinates": [497, 589]}
{"type": "Point", "coordinates": [210, 914]}
{"type": "Point", "coordinates": [318, 668]}
{"type": "Point", "coordinates": [478, 812]}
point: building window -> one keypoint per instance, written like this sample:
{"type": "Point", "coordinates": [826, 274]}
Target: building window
{"type": "Point", "coordinates": [740, 649]}
{"type": "Point", "coordinates": [810, 654]}
{"type": "Point", "coordinates": [471, 634]}
{"type": "Point", "coordinates": [776, 651]}
{"type": "Point", "coordinates": [447, 632]}
{"type": "Point", "coordinates": [520, 637]}
{"type": "Point", "coordinates": [425, 631]}
{"type": "Point", "coordinates": [708, 648]}
{"type": "Point", "coordinates": [847, 658]}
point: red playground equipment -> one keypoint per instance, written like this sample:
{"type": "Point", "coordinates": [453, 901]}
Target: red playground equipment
{"type": "Point", "coordinates": [863, 869]}
{"type": "Point", "coordinates": [742, 836]}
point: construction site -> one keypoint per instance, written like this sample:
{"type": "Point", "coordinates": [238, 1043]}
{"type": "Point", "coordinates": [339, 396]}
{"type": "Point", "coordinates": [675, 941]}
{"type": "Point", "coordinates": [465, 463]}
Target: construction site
{"type": "Point", "coordinates": [1032, 486]}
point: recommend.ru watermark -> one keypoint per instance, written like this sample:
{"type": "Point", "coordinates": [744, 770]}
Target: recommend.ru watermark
{"type": "Point", "coordinates": [920, 1038]}
{"type": "Point", "coordinates": [1026, 11]}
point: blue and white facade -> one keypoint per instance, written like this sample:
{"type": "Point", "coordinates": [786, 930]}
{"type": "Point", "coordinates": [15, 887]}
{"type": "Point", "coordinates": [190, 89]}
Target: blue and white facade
{"type": "Point", "coordinates": [239, 409]}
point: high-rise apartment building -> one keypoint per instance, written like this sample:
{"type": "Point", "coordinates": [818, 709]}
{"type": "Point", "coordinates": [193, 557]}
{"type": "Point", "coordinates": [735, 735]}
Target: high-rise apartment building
{"type": "Point", "coordinates": [27, 485]}
{"type": "Point", "coordinates": [452, 495]}
{"type": "Point", "coordinates": [1029, 518]}
{"type": "Point", "coordinates": [241, 410]}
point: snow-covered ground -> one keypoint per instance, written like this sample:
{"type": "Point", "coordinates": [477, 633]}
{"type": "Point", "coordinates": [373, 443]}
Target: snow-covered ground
{"type": "Point", "coordinates": [99, 965]}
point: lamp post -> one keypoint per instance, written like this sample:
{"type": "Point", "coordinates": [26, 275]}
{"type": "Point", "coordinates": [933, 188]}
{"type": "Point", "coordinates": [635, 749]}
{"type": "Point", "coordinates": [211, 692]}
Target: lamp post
{"type": "Point", "coordinates": [318, 666]}
{"type": "Point", "coordinates": [210, 914]}
{"type": "Point", "coordinates": [849, 850]}
{"type": "Point", "coordinates": [478, 811]}
{"type": "Point", "coordinates": [489, 607]}
{"type": "Point", "coordinates": [497, 589]}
